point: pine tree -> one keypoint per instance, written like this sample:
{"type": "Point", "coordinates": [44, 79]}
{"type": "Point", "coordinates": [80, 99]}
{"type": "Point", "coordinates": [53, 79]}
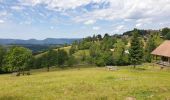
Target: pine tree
{"type": "Point", "coordinates": [136, 49]}
{"type": "Point", "coordinates": [150, 46]}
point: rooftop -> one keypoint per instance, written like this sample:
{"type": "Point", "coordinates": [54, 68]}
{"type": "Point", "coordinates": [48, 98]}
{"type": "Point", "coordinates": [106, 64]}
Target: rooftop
{"type": "Point", "coordinates": [163, 49]}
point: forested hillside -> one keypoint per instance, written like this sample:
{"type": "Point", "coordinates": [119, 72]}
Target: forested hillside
{"type": "Point", "coordinates": [131, 48]}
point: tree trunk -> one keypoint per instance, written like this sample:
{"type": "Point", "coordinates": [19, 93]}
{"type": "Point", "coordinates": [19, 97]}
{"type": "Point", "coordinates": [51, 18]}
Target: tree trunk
{"type": "Point", "coordinates": [134, 66]}
{"type": "Point", "coordinates": [48, 69]}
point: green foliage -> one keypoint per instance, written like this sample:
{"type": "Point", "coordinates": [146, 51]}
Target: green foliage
{"type": "Point", "coordinates": [165, 31]}
{"type": "Point", "coordinates": [90, 60]}
{"type": "Point", "coordinates": [51, 58]}
{"type": "Point", "coordinates": [71, 61]}
{"type": "Point", "coordinates": [125, 40]}
{"type": "Point", "coordinates": [153, 41]}
{"type": "Point", "coordinates": [83, 56]}
{"type": "Point", "coordinates": [168, 36]}
{"type": "Point", "coordinates": [107, 43]}
{"type": "Point", "coordinates": [99, 61]}
{"type": "Point", "coordinates": [150, 46]}
{"type": "Point", "coordinates": [107, 56]}
{"type": "Point", "coordinates": [100, 57]}
{"type": "Point", "coordinates": [95, 50]}
{"type": "Point", "coordinates": [99, 37]}
{"type": "Point", "coordinates": [136, 49]}
{"type": "Point", "coordinates": [30, 64]}
{"type": "Point", "coordinates": [2, 55]}
{"type": "Point", "coordinates": [157, 39]}
{"type": "Point", "coordinates": [61, 57]}
{"type": "Point", "coordinates": [73, 49]}
{"type": "Point", "coordinates": [120, 57]}
{"type": "Point", "coordinates": [17, 59]}
{"type": "Point", "coordinates": [84, 45]}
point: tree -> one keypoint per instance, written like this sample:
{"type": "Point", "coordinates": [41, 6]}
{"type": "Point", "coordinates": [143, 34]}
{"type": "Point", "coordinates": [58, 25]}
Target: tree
{"type": "Point", "coordinates": [72, 49]}
{"type": "Point", "coordinates": [107, 43]}
{"type": "Point", "coordinates": [99, 37]}
{"type": "Point", "coordinates": [106, 35]}
{"type": "Point", "coordinates": [2, 55]}
{"type": "Point", "coordinates": [17, 59]}
{"type": "Point", "coordinates": [94, 50]}
{"type": "Point", "coordinates": [107, 56]}
{"type": "Point", "coordinates": [84, 45]}
{"type": "Point", "coordinates": [100, 61]}
{"type": "Point", "coordinates": [71, 61]}
{"type": "Point", "coordinates": [168, 36]}
{"type": "Point", "coordinates": [50, 59]}
{"type": "Point", "coordinates": [165, 31]}
{"type": "Point", "coordinates": [119, 53]}
{"type": "Point", "coordinates": [83, 56]}
{"type": "Point", "coordinates": [136, 49]}
{"type": "Point", "coordinates": [150, 46]}
{"type": "Point", "coordinates": [61, 57]}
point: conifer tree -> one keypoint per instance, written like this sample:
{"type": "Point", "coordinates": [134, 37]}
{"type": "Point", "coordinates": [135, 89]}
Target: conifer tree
{"type": "Point", "coordinates": [136, 49]}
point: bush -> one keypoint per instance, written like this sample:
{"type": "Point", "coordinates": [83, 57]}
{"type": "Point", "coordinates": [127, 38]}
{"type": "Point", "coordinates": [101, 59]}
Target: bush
{"type": "Point", "coordinates": [100, 62]}
{"type": "Point", "coordinates": [71, 61]}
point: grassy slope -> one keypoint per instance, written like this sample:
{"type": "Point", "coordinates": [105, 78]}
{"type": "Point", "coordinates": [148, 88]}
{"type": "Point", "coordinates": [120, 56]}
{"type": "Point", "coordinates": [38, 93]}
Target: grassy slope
{"type": "Point", "coordinates": [88, 84]}
{"type": "Point", "coordinates": [64, 48]}
{"type": "Point", "coordinates": [79, 53]}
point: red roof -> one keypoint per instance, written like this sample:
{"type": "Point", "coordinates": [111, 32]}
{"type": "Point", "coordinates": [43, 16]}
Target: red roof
{"type": "Point", "coordinates": [163, 49]}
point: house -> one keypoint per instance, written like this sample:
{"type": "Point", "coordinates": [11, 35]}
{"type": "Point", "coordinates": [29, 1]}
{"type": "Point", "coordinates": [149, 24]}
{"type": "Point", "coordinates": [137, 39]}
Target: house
{"type": "Point", "coordinates": [163, 53]}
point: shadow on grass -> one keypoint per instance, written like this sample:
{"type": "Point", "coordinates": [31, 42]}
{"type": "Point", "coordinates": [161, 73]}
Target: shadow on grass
{"type": "Point", "coordinates": [144, 94]}
{"type": "Point", "coordinates": [140, 69]}
{"type": "Point", "coordinates": [11, 98]}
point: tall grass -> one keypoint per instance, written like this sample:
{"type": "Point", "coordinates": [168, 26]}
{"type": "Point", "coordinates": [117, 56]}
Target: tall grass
{"type": "Point", "coordinates": [150, 83]}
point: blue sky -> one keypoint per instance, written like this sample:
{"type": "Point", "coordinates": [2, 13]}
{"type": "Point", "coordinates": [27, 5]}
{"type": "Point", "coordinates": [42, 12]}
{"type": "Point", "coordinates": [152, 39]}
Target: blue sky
{"type": "Point", "coordinates": [40, 19]}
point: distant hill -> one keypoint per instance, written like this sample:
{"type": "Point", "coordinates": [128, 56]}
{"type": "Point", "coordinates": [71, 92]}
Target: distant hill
{"type": "Point", "coordinates": [38, 42]}
{"type": "Point", "coordinates": [141, 32]}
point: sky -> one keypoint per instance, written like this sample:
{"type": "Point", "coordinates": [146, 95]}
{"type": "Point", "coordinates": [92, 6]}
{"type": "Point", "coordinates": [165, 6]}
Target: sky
{"type": "Point", "coordinates": [40, 19]}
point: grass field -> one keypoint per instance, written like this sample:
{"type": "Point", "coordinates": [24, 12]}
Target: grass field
{"type": "Point", "coordinates": [144, 83]}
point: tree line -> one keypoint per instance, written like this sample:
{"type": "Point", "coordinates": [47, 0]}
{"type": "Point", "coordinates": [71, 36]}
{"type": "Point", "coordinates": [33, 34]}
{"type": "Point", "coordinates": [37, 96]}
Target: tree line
{"type": "Point", "coordinates": [20, 60]}
{"type": "Point", "coordinates": [120, 49]}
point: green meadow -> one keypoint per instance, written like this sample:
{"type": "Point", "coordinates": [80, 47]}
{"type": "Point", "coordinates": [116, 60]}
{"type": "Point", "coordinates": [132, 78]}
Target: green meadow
{"type": "Point", "coordinates": [95, 83]}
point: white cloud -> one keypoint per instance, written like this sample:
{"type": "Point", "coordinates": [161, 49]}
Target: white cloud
{"type": "Point", "coordinates": [1, 21]}
{"type": "Point", "coordinates": [96, 28]}
{"type": "Point", "coordinates": [121, 13]}
{"type": "Point", "coordinates": [3, 13]}
{"type": "Point", "coordinates": [138, 25]}
{"type": "Point", "coordinates": [120, 28]}
{"type": "Point", "coordinates": [18, 8]}
{"type": "Point", "coordinates": [145, 11]}
{"type": "Point", "coordinates": [117, 9]}
{"type": "Point", "coordinates": [60, 4]}
{"type": "Point", "coordinates": [89, 22]}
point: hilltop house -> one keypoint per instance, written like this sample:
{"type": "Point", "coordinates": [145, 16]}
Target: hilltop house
{"type": "Point", "coordinates": [163, 53]}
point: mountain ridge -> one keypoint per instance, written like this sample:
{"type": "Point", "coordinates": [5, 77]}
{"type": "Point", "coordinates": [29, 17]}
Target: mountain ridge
{"type": "Point", "coordinates": [38, 42]}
